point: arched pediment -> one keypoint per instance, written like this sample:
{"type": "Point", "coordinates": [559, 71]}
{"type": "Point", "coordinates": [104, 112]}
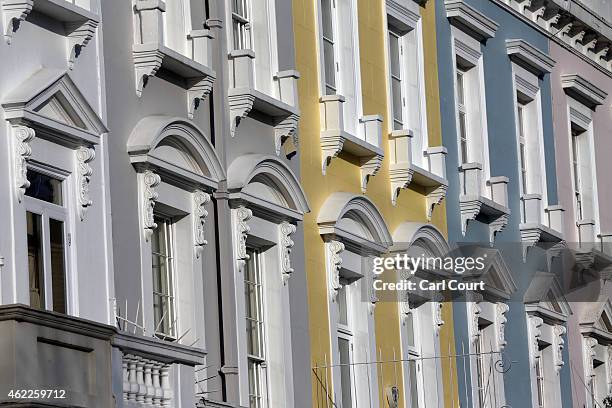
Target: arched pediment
{"type": "Point", "coordinates": [425, 236]}
{"type": "Point", "coordinates": [355, 219]}
{"type": "Point", "coordinates": [177, 149]}
{"type": "Point", "coordinates": [268, 183]}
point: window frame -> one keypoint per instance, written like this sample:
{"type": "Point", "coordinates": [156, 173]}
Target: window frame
{"type": "Point", "coordinates": [61, 213]}
{"type": "Point", "coordinates": [243, 22]}
{"type": "Point", "coordinates": [329, 88]}
{"type": "Point", "coordinates": [345, 332]}
{"type": "Point", "coordinates": [170, 234]}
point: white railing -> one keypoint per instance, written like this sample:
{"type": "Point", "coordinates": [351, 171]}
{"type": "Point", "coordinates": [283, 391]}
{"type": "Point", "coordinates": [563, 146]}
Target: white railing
{"type": "Point", "coordinates": [146, 382]}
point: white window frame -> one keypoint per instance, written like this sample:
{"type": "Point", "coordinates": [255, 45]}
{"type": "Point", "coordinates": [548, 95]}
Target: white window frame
{"type": "Point", "coordinates": [582, 117]}
{"type": "Point", "coordinates": [412, 75]}
{"type": "Point", "coordinates": [467, 57]}
{"type": "Point", "coordinates": [171, 316]}
{"type": "Point", "coordinates": [61, 213]}
{"type": "Point", "coordinates": [345, 332]}
{"type": "Point", "coordinates": [243, 22]}
{"type": "Point", "coordinates": [347, 85]}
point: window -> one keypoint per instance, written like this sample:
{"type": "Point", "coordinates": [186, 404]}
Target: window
{"type": "Point", "coordinates": [539, 370]}
{"type": "Point", "coordinates": [46, 239]}
{"type": "Point", "coordinates": [255, 328]}
{"type": "Point", "coordinates": [413, 358]}
{"type": "Point", "coordinates": [397, 94]}
{"type": "Point", "coordinates": [162, 243]}
{"type": "Point", "coordinates": [576, 171]}
{"type": "Point", "coordinates": [463, 116]}
{"type": "Point", "coordinates": [522, 146]}
{"type": "Point", "coordinates": [345, 344]}
{"type": "Point", "coordinates": [329, 53]}
{"type": "Point", "coordinates": [241, 24]}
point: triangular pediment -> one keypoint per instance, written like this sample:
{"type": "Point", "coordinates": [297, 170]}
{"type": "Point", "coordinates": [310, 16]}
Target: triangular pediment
{"type": "Point", "coordinates": [498, 280]}
{"type": "Point", "coordinates": [545, 295]}
{"type": "Point", "coordinates": [51, 101]}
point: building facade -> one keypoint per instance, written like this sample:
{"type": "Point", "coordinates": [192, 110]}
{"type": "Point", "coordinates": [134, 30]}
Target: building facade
{"type": "Point", "coordinates": [196, 194]}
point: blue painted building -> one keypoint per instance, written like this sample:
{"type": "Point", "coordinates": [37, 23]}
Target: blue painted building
{"type": "Point", "coordinates": [497, 125]}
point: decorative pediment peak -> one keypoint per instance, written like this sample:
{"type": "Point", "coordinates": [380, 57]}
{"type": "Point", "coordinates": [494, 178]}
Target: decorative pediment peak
{"type": "Point", "coordinates": [53, 95]}
{"type": "Point", "coordinates": [545, 295]}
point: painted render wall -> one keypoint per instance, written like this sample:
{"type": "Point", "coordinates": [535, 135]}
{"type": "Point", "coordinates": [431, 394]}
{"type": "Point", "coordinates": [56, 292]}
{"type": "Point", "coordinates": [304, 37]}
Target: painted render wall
{"type": "Point", "coordinates": [570, 63]}
{"type": "Point", "coordinates": [503, 162]}
{"type": "Point", "coordinates": [343, 173]}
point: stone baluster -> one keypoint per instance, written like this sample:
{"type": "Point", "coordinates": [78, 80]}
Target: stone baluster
{"type": "Point", "coordinates": [132, 378]}
{"type": "Point", "coordinates": [142, 389]}
{"type": "Point", "coordinates": [159, 393]}
{"type": "Point", "coordinates": [126, 377]}
{"type": "Point", "coordinates": [148, 381]}
{"type": "Point", "coordinates": [165, 385]}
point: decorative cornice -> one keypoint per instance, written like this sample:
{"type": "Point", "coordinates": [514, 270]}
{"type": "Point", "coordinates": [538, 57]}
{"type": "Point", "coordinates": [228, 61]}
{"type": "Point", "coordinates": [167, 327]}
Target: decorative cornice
{"type": "Point", "coordinates": [150, 180]}
{"type": "Point", "coordinates": [527, 54]}
{"type": "Point", "coordinates": [84, 156]}
{"type": "Point", "coordinates": [242, 230]}
{"type": "Point", "coordinates": [583, 90]}
{"type": "Point", "coordinates": [334, 261]}
{"type": "Point", "coordinates": [200, 200]}
{"type": "Point", "coordinates": [558, 331]}
{"type": "Point", "coordinates": [23, 151]}
{"type": "Point", "coordinates": [402, 13]}
{"type": "Point", "coordinates": [501, 309]}
{"type": "Point", "coordinates": [13, 13]}
{"type": "Point", "coordinates": [463, 15]}
{"type": "Point", "coordinates": [286, 243]}
{"type": "Point", "coordinates": [572, 26]}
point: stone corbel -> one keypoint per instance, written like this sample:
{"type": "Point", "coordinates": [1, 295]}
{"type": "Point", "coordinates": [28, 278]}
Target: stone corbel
{"type": "Point", "coordinates": [589, 45]}
{"type": "Point", "coordinates": [538, 13]}
{"type": "Point", "coordinates": [576, 37]}
{"type": "Point", "coordinates": [589, 344]}
{"type": "Point", "coordinates": [84, 156]}
{"type": "Point", "coordinates": [286, 229]}
{"type": "Point", "coordinates": [242, 229]}
{"type": "Point", "coordinates": [369, 168]}
{"type": "Point", "coordinates": [331, 146]}
{"type": "Point", "coordinates": [601, 54]}
{"type": "Point", "coordinates": [334, 261]}
{"type": "Point", "coordinates": [400, 177]}
{"type": "Point", "coordinates": [14, 12]}
{"type": "Point", "coordinates": [23, 151]}
{"type": "Point", "coordinates": [551, 21]}
{"type": "Point", "coordinates": [535, 332]}
{"type": "Point", "coordinates": [286, 129]}
{"type": "Point", "coordinates": [200, 200]}
{"type": "Point", "coordinates": [497, 226]}
{"type": "Point", "coordinates": [79, 35]}
{"type": "Point", "coordinates": [372, 296]}
{"type": "Point", "coordinates": [469, 210]}
{"type": "Point", "coordinates": [559, 331]}
{"type": "Point", "coordinates": [150, 181]}
{"type": "Point", "coordinates": [147, 61]}
{"type": "Point", "coordinates": [242, 79]}
{"type": "Point", "coordinates": [434, 198]}
{"type": "Point", "coordinates": [501, 319]}
{"type": "Point", "coordinates": [240, 107]}
{"type": "Point", "coordinates": [437, 306]}
{"type": "Point", "coordinates": [198, 93]}
{"type": "Point", "coordinates": [475, 315]}
{"type": "Point", "coordinates": [523, 5]}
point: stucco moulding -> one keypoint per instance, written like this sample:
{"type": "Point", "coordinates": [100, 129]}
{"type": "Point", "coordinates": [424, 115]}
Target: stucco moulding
{"type": "Point", "coordinates": [529, 56]}
{"type": "Point", "coordinates": [583, 90]}
{"type": "Point", "coordinates": [464, 16]}
{"type": "Point", "coordinates": [570, 24]}
{"type": "Point", "coordinates": [79, 24]}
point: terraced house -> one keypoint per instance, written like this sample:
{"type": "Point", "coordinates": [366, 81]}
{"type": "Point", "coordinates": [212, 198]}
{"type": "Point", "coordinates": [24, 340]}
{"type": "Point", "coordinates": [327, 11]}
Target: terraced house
{"type": "Point", "coordinates": [195, 194]}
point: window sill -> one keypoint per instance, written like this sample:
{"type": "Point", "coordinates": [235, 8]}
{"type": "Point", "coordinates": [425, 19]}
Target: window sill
{"type": "Point", "coordinates": [243, 98]}
{"type": "Point", "coordinates": [493, 211]}
{"type": "Point", "coordinates": [197, 78]}
{"type": "Point", "coordinates": [404, 173]}
{"type": "Point", "coordinates": [335, 139]}
{"type": "Point", "coordinates": [80, 24]}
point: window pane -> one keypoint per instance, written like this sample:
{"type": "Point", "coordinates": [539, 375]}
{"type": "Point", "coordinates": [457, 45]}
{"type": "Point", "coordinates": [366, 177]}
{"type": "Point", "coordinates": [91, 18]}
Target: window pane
{"type": "Point", "coordinates": [253, 306]}
{"type": "Point", "coordinates": [327, 19]}
{"type": "Point", "coordinates": [344, 347]}
{"type": "Point", "coordinates": [394, 56]}
{"type": "Point", "coordinates": [396, 86]}
{"type": "Point", "coordinates": [330, 66]}
{"type": "Point", "coordinates": [163, 285]}
{"type": "Point", "coordinates": [410, 329]}
{"type": "Point", "coordinates": [460, 88]}
{"type": "Point", "coordinates": [463, 137]}
{"type": "Point", "coordinates": [35, 260]}
{"type": "Point", "coordinates": [58, 270]}
{"type": "Point", "coordinates": [45, 188]}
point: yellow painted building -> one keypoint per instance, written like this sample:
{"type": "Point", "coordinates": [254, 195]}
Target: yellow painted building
{"type": "Point", "coordinates": [341, 146]}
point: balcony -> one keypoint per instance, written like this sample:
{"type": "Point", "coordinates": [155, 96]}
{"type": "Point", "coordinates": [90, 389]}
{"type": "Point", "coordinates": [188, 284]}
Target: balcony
{"type": "Point", "coordinates": [281, 108]}
{"type": "Point", "coordinates": [152, 56]}
{"type": "Point", "coordinates": [474, 205]}
{"type": "Point", "coordinates": [79, 24]}
{"type": "Point", "coordinates": [536, 228]}
{"type": "Point", "coordinates": [93, 362]}
{"type": "Point", "coordinates": [153, 371]}
{"type": "Point", "coordinates": [335, 139]}
{"type": "Point", "coordinates": [404, 173]}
